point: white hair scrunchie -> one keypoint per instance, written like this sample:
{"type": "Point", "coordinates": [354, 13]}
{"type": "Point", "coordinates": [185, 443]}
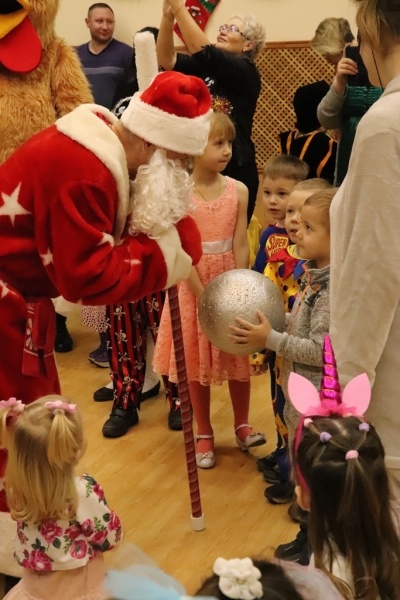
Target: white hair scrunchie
{"type": "Point", "coordinates": [238, 578]}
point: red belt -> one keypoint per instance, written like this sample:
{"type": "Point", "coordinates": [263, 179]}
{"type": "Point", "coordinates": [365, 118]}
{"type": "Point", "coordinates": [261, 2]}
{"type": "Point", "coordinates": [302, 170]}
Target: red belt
{"type": "Point", "coordinates": [38, 353]}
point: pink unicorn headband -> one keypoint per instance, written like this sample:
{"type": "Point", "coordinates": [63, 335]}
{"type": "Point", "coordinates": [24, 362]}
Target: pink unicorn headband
{"type": "Point", "coordinates": [330, 401]}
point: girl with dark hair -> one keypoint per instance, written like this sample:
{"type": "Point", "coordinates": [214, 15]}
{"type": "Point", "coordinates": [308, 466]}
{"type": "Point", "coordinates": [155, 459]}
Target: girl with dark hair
{"type": "Point", "coordinates": [234, 579]}
{"type": "Point", "coordinates": [343, 482]}
{"type": "Point", "coordinates": [247, 579]}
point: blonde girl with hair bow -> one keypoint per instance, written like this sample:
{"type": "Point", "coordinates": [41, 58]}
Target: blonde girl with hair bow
{"type": "Point", "coordinates": [63, 521]}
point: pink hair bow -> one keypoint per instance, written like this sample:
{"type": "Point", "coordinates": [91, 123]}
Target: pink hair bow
{"type": "Point", "coordinates": [307, 400]}
{"type": "Point", "coordinates": [17, 406]}
{"type": "Point", "coordinates": [59, 405]}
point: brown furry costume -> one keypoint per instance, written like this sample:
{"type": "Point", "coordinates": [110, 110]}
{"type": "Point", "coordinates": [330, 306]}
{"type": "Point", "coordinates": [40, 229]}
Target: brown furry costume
{"type": "Point", "coordinates": [30, 102]}
{"type": "Point", "coordinates": [31, 99]}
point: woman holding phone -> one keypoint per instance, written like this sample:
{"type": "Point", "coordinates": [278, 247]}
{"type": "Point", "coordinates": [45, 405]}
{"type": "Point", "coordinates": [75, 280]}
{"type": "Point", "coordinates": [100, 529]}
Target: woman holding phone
{"type": "Point", "coordinates": [348, 99]}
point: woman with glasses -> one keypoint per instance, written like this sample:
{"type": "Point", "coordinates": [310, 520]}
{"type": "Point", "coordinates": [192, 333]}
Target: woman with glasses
{"type": "Point", "coordinates": [365, 218]}
{"type": "Point", "coordinates": [228, 69]}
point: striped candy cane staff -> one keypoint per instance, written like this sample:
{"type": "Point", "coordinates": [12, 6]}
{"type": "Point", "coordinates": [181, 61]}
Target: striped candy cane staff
{"type": "Point", "coordinates": [197, 518]}
{"type": "Point", "coordinates": [146, 65]}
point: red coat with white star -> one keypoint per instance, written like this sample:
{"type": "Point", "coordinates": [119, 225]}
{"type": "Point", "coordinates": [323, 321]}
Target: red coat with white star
{"type": "Point", "coordinates": [64, 201]}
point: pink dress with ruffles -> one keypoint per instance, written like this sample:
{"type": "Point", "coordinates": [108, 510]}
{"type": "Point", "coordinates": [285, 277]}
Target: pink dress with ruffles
{"type": "Point", "coordinates": [205, 363]}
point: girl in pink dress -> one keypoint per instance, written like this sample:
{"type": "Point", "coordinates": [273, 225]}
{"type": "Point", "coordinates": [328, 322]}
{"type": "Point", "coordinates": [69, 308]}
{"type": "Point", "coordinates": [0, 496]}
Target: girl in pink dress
{"type": "Point", "coordinates": [220, 211]}
{"type": "Point", "coordinates": [64, 524]}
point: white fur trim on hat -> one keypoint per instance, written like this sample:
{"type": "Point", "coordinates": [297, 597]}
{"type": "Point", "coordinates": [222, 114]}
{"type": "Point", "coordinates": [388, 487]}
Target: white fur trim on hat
{"type": "Point", "coordinates": [165, 130]}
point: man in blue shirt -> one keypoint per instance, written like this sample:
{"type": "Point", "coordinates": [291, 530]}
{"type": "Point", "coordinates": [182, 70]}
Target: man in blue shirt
{"type": "Point", "coordinates": [107, 63]}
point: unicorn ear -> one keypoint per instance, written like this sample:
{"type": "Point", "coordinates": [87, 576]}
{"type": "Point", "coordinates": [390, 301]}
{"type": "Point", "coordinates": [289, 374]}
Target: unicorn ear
{"type": "Point", "coordinates": [303, 394]}
{"type": "Point", "coordinates": [357, 394]}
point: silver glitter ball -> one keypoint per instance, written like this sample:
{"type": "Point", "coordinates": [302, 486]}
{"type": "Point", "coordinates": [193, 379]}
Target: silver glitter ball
{"type": "Point", "coordinates": [238, 293]}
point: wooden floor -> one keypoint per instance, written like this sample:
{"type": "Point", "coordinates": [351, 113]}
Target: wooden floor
{"type": "Point", "coordinates": [144, 476]}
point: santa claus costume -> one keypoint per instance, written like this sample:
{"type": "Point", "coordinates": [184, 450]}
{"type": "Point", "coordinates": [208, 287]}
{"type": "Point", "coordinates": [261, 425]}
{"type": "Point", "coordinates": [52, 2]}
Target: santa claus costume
{"type": "Point", "coordinates": [65, 199]}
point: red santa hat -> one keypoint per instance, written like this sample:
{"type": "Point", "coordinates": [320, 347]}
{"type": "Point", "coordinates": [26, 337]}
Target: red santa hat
{"type": "Point", "coordinates": [172, 113]}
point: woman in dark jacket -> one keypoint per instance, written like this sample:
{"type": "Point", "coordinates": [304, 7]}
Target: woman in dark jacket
{"type": "Point", "coordinates": [228, 69]}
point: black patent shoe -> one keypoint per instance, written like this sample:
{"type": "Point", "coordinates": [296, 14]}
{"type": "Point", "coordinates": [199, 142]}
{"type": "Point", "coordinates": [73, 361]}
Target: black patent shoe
{"type": "Point", "coordinates": [175, 416]}
{"type": "Point", "coordinates": [120, 421]}
{"type": "Point", "coordinates": [103, 394]}
{"type": "Point", "coordinates": [63, 341]}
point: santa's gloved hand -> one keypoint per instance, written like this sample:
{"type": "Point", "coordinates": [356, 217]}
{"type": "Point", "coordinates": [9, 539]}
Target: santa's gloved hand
{"type": "Point", "coordinates": [190, 238]}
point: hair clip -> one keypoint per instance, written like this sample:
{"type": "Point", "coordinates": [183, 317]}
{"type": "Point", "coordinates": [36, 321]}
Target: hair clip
{"type": "Point", "coordinates": [59, 406]}
{"type": "Point", "coordinates": [238, 578]}
{"type": "Point", "coordinates": [307, 422]}
{"type": "Point", "coordinates": [363, 426]}
{"type": "Point", "coordinates": [351, 454]}
{"type": "Point", "coordinates": [17, 406]}
{"type": "Point", "coordinates": [221, 104]}
{"type": "Point", "coordinates": [324, 436]}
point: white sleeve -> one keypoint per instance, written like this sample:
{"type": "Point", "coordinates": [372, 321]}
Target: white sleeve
{"type": "Point", "coordinates": [365, 257]}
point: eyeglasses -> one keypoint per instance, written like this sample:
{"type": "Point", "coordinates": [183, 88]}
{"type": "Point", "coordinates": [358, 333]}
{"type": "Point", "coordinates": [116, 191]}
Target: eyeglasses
{"type": "Point", "coordinates": [232, 29]}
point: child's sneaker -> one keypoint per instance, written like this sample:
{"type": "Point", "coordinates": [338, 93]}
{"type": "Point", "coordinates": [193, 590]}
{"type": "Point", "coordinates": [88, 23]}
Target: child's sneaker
{"type": "Point", "coordinates": [99, 356]}
{"type": "Point", "coordinates": [280, 493]}
{"type": "Point", "coordinates": [266, 463]}
{"type": "Point", "coordinates": [298, 514]}
{"type": "Point", "coordinates": [295, 551]}
{"type": "Point", "coordinates": [272, 475]}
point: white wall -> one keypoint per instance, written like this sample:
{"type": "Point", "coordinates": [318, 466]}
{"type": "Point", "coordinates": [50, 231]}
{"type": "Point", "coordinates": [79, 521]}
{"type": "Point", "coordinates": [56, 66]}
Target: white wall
{"type": "Point", "coordinates": [284, 20]}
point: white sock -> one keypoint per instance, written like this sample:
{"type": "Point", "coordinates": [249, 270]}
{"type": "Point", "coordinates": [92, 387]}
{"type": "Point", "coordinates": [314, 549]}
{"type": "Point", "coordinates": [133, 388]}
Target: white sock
{"type": "Point", "coordinates": [151, 378]}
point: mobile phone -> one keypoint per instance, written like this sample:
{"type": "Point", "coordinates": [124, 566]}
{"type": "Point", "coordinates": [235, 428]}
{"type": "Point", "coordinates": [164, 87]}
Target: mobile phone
{"type": "Point", "coordinates": [361, 79]}
{"type": "Point", "coordinates": [352, 52]}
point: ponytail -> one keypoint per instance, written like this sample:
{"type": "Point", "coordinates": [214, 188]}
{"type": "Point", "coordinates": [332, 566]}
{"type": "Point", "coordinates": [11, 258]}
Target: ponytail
{"type": "Point", "coordinates": [44, 444]}
{"type": "Point", "coordinates": [342, 461]}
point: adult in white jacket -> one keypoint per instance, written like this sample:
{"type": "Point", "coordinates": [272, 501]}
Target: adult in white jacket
{"type": "Point", "coordinates": [365, 237]}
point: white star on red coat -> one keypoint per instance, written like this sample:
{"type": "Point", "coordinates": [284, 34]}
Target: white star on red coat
{"type": "Point", "coordinates": [47, 258]}
{"type": "Point", "coordinates": [107, 239]}
{"type": "Point", "coordinates": [4, 290]}
{"type": "Point", "coordinates": [133, 261]}
{"type": "Point", "coordinates": [11, 207]}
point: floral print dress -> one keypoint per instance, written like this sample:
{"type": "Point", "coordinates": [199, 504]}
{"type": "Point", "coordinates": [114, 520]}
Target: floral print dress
{"type": "Point", "coordinates": [66, 549]}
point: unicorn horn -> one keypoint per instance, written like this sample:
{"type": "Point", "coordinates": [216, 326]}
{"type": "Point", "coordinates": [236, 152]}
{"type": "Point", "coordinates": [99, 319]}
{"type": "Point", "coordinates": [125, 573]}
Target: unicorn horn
{"type": "Point", "coordinates": [330, 386]}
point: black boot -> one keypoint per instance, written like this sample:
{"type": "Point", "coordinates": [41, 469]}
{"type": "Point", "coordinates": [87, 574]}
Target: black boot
{"type": "Point", "coordinates": [120, 421]}
{"type": "Point", "coordinates": [175, 416]}
{"type": "Point", "coordinates": [63, 341]}
{"type": "Point", "coordinates": [103, 394]}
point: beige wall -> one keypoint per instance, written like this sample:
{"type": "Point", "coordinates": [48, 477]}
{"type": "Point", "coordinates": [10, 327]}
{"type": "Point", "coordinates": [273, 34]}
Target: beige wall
{"type": "Point", "coordinates": [284, 19]}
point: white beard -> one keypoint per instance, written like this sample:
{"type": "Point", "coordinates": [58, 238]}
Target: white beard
{"type": "Point", "coordinates": [161, 195]}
